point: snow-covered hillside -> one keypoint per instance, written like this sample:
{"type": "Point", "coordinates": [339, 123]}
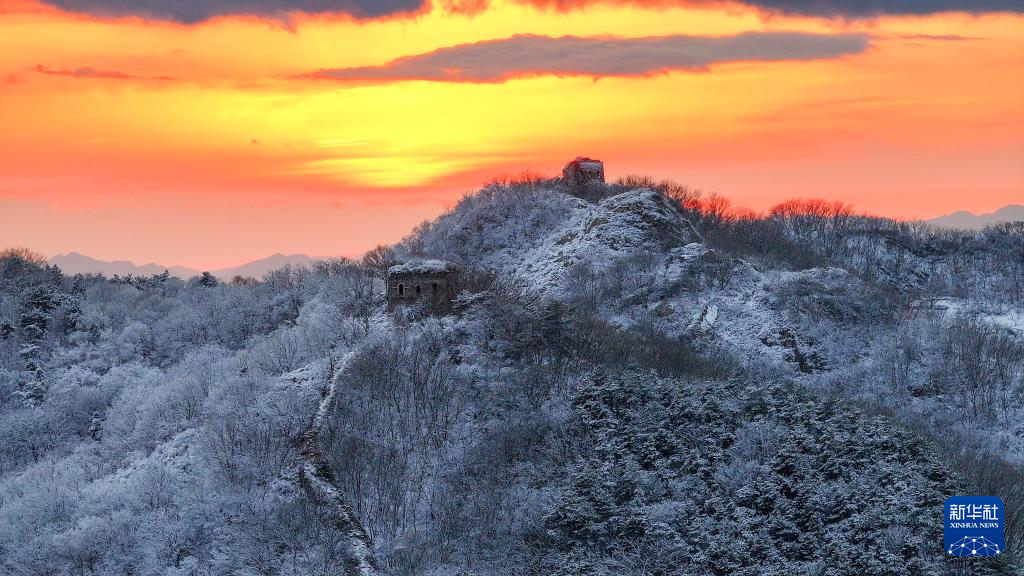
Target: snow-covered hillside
{"type": "Point", "coordinates": [560, 234]}
{"type": "Point", "coordinates": [628, 385]}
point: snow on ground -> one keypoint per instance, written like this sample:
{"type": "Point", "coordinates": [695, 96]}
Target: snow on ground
{"type": "Point", "coordinates": [1011, 319]}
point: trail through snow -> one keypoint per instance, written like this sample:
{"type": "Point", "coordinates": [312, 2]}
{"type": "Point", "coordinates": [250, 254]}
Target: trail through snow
{"type": "Point", "coordinates": [315, 477]}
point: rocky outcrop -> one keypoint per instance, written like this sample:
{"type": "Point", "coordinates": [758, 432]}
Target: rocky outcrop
{"type": "Point", "coordinates": [634, 222]}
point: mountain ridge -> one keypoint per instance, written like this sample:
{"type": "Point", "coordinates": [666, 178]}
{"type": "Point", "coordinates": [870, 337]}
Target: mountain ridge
{"type": "Point", "coordinates": [971, 221]}
{"type": "Point", "coordinates": [78, 263]}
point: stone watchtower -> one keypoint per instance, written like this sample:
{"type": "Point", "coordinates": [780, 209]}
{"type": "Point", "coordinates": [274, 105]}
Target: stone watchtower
{"type": "Point", "coordinates": [432, 282]}
{"type": "Point", "coordinates": [582, 171]}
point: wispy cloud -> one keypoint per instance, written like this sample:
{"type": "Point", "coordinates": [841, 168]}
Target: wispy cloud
{"type": "Point", "coordinates": [528, 55]}
{"type": "Point", "coordinates": [939, 37]}
{"type": "Point", "coordinates": [89, 72]}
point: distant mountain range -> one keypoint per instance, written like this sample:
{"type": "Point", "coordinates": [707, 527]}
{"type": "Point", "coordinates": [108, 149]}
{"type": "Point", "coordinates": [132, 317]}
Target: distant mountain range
{"type": "Point", "coordinates": [75, 263]}
{"type": "Point", "coordinates": [971, 221]}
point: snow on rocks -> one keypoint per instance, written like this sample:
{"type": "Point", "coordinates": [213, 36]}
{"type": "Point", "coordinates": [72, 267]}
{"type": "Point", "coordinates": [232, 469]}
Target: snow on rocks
{"type": "Point", "coordinates": [596, 236]}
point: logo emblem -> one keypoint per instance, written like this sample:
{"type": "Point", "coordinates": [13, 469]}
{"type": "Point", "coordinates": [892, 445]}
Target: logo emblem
{"type": "Point", "coordinates": [974, 526]}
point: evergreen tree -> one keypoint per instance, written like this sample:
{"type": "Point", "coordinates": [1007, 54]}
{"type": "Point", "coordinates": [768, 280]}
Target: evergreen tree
{"type": "Point", "coordinates": [207, 280]}
{"type": "Point", "coordinates": [32, 390]}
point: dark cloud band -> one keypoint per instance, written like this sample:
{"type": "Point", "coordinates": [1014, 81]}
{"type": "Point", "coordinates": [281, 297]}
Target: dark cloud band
{"type": "Point", "coordinates": [524, 56]}
{"type": "Point", "coordinates": [868, 8]}
{"type": "Point", "coordinates": [192, 11]}
{"type": "Point", "coordinates": [826, 8]}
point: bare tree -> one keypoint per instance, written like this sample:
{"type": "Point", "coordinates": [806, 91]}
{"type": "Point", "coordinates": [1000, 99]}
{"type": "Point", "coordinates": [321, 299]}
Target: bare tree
{"type": "Point", "coordinates": [378, 260]}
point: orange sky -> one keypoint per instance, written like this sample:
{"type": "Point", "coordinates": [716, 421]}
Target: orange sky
{"type": "Point", "coordinates": [212, 143]}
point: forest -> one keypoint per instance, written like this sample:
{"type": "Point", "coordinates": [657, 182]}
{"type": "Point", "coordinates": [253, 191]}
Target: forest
{"type": "Point", "coordinates": [635, 378]}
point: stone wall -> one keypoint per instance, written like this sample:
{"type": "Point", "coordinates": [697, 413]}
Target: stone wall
{"type": "Point", "coordinates": [436, 289]}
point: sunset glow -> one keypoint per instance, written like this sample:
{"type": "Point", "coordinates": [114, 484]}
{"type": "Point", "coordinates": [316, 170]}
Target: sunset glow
{"type": "Point", "coordinates": [141, 138]}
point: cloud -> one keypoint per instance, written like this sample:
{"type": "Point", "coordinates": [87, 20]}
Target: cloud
{"type": "Point", "coordinates": [193, 11]}
{"type": "Point", "coordinates": [826, 8]}
{"type": "Point", "coordinates": [940, 37]}
{"type": "Point", "coordinates": [88, 72]}
{"type": "Point", "coordinates": [528, 55]}
{"type": "Point", "coordinates": [869, 8]}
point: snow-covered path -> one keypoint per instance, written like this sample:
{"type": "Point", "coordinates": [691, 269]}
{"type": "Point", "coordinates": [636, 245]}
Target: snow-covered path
{"type": "Point", "coordinates": [315, 478]}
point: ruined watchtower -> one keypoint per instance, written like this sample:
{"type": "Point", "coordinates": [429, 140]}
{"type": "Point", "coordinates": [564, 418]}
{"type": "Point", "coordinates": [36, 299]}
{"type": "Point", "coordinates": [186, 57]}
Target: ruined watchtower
{"type": "Point", "coordinates": [433, 282]}
{"type": "Point", "coordinates": [583, 170]}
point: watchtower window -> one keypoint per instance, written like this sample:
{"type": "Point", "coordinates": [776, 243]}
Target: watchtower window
{"type": "Point", "coordinates": [434, 286]}
{"type": "Point", "coordinates": [401, 289]}
{"type": "Point", "coordinates": [417, 289]}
